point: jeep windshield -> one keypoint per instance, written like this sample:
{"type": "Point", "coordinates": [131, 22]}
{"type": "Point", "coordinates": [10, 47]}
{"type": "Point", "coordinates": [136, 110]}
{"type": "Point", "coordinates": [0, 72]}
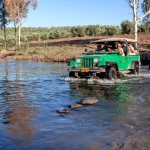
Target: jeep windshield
{"type": "Point", "coordinates": [101, 53]}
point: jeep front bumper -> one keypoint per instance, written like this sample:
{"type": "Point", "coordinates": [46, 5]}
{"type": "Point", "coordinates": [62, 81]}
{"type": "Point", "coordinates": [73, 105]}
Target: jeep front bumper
{"type": "Point", "coordinates": [87, 70]}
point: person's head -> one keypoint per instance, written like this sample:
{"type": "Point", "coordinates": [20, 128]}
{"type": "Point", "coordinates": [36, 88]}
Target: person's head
{"type": "Point", "coordinates": [98, 47]}
{"type": "Point", "coordinates": [129, 44]}
{"type": "Point", "coordinates": [119, 45]}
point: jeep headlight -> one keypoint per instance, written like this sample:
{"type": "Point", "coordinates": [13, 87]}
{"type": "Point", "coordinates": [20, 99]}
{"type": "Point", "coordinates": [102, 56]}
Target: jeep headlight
{"type": "Point", "coordinates": [96, 60]}
{"type": "Point", "coordinates": [78, 60]}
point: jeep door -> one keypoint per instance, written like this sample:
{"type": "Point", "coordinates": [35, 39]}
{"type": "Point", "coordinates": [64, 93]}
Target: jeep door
{"type": "Point", "coordinates": [126, 62]}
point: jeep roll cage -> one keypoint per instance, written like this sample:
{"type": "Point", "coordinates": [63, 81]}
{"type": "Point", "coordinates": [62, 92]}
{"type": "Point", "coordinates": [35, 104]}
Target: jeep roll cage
{"type": "Point", "coordinates": [111, 42]}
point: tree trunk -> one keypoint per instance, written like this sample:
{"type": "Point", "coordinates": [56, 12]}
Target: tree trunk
{"type": "Point", "coordinates": [5, 45]}
{"type": "Point", "coordinates": [15, 34]}
{"type": "Point", "coordinates": [4, 24]}
{"type": "Point", "coordinates": [19, 34]}
{"type": "Point", "coordinates": [135, 20]}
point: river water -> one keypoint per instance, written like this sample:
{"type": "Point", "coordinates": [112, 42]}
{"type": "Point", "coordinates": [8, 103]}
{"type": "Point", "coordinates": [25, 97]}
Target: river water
{"type": "Point", "coordinates": [32, 92]}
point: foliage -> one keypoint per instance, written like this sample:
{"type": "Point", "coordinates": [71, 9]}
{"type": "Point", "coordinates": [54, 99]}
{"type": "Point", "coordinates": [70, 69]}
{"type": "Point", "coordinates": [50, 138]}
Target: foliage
{"type": "Point", "coordinates": [3, 19]}
{"type": "Point", "coordinates": [17, 10]}
{"type": "Point", "coordinates": [93, 30]}
{"type": "Point", "coordinates": [112, 30]}
{"type": "Point", "coordinates": [126, 27]}
{"type": "Point", "coordinates": [39, 34]}
{"type": "Point", "coordinates": [146, 8]}
{"type": "Point", "coordinates": [145, 27]}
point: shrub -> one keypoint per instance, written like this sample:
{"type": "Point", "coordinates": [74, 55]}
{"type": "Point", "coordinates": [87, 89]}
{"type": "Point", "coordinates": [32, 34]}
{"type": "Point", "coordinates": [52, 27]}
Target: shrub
{"type": "Point", "coordinates": [112, 30]}
{"type": "Point", "coordinates": [126, 27]}
{"type": "Point", "coordinates": [145, 27]}
{"type": "Point", "coordinates": [93, 30]}
{"type": "Point", "coordinates": [44, 36]}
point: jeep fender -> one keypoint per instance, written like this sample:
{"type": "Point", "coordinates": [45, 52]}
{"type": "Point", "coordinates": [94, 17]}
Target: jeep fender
{"type": "Point", "coordinates": [112, 64]}
{"type": "Point", "coordinates": [133, 62]}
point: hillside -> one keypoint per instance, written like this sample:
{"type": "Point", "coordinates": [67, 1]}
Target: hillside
{"type": "Point", "coordinates": [62, 49]}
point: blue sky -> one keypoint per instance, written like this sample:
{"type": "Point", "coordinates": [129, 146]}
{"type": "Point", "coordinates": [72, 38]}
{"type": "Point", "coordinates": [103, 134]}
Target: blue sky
{"type": "Point", "coordinates": [78, 12]}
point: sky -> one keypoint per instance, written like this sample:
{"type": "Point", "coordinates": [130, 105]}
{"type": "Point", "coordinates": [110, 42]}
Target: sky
{"type": "Point", "coordinates": [60, 13]}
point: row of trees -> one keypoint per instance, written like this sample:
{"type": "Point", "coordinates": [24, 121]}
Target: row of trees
{"type": "Point", "coordinates": [127, 27]}
{"type": "Point", "coordinates": [38, 34]}
{"type": "Point", "coordinates": [14, 11]}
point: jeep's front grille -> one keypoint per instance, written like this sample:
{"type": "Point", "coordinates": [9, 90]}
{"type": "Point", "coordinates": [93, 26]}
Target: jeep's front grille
{"type": "Point", "coordinates": [87, 63]}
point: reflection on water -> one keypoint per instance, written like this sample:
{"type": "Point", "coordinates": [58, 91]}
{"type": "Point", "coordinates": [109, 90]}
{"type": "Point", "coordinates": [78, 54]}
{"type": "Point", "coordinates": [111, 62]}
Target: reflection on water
{"type": "Point", "coordinates": [119, 92]}
{"type": "Point", "coordinates": [17, 109]}
{"type": "Point", "coordinates": [30, 94]}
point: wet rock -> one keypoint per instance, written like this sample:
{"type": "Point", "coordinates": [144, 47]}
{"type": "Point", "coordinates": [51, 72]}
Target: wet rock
{"type": "Point", "coordinates": [75, 105]}
{"type": "Point", "coordinates": [64, 111]}
{"type": "Point", "coordinates": [88, 101]}
{"type": "Point", "coordinates": [115, 146]}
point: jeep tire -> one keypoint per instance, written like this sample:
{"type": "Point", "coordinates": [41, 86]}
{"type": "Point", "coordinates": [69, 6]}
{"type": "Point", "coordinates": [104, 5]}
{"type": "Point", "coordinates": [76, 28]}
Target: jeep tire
{"type": "Point", "coordinates": [71, 74]}
{"type": "Point", "coordinates": [111, 73]}
{"type": "Point", "coordinates": [136, 69]}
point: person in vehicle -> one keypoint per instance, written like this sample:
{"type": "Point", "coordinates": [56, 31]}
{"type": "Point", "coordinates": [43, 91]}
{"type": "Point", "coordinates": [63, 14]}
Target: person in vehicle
{"type": "Point", "coordinates": [131, 50]}
{"type": "Point", "coordinates": [106, 48]}
{"type": "Point", "coordinates": [98, 48]}
{"type": "Point", "coordinates": [120, 49]}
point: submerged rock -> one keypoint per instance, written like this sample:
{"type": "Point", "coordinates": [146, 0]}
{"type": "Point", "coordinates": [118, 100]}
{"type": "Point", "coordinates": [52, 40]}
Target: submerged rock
{"type": "Point", "coordinates": [88, 101]}
{"type": "Point", "coordinates": [75, 105]}
{"type": "Point", "coordinates": [64, 111]}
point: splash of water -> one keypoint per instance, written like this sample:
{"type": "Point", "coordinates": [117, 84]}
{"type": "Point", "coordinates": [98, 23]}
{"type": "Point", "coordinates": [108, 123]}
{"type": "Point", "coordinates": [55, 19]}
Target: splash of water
{"type": "Point", "coordinates": [142, 77]}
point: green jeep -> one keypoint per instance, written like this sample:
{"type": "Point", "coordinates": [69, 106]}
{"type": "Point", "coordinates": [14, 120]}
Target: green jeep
{"type": "Point", "coordinates": [104, 63]}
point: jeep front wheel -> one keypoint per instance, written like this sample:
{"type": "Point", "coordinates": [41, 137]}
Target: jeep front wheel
{"type": "Point", "coordinates": [111, 73]}
{"type": "Point", "coordinates": [71, 74]}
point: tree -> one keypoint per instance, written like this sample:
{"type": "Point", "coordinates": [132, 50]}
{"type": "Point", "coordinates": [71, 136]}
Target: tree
{"type": "Point", "coordinates": [126, 26]}
{"type": "Point", "coordinates": [3, 19]}
{"type": "Point", "coordinates": [135, 5]}
{"type": "Point", "coordinates": [17, 10]}
{"type": "Point", "coordinates": [146, 8]}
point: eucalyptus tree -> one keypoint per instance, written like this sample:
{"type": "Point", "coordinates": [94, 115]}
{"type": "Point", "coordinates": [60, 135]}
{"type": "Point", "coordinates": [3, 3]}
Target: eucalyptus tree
{"type": "Point", "coordinates": [3, 19]}
{"type": "Point", "coordinates": [17, 10]}
{"type": "Point", "coordinates": [136, 5]}
{"type": "Point", "coordinates": [146, 9]}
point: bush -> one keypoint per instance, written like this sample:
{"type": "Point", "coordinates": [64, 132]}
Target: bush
{"type": "Point", "coordinates": [25, 46]}
{"type": "Point", "coordinates": [77, 31]}
{"type": "Point", "coordinates": [126, 27]}
{"type": "Point", "coordinates": [11, 39]}
{"type": "Point", "coordinates": [93, 30]}
{"type": "Point", "coordinates": [112, 30]}
{"type": "Point", "coordinates": [145, 27]}
{"type": "Point", "coordinates": [44, 36]}
{"type": "Point", "coordinates": [25, 38]}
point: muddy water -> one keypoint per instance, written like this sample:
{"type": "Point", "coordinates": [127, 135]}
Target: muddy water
{"type": "Point", "coordinates": [31, 93]}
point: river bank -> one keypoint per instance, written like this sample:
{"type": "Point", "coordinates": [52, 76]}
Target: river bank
{"type": "Point", "coordinates": [61, 50]}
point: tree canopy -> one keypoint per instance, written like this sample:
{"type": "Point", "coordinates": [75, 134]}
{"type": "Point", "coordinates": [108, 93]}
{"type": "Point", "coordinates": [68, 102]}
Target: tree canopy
{"type": "Point", "coordinates": [146, 8]}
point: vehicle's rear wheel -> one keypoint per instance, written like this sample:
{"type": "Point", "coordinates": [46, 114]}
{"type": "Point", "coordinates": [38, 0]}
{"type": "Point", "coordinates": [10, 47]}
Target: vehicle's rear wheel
{"type": "Point", "coordinates": [136, 69]}
{"type": "Point", "coordinates": [111, 73]}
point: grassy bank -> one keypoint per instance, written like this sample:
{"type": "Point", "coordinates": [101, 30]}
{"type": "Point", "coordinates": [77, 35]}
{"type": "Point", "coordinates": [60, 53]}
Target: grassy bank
{"type": "Point", "coordinates": [60, 50]}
